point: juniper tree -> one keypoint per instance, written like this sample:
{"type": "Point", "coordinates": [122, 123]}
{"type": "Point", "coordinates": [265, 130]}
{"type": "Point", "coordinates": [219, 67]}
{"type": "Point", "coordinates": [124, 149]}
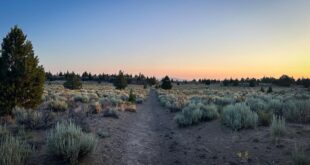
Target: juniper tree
{"type": "Point", "coordinates": [120, 81]}
{"type": "Point", "coordinates": [166, 83]}
{"type": "Point", "coordinates": [72, 81]}
{"type": "Point", "coordinates": [21, 77]}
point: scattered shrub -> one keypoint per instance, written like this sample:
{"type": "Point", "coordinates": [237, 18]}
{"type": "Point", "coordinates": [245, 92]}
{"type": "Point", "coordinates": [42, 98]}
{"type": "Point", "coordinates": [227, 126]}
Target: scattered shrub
{"type": "Point", "coordinates": [299, 157]}
{"type": "Point", "coordinates": [239, 116]}
{"type": "Point", "coordinates": [58, 105]}
{"type": "Point", "coordinates": [13, 151]}
{"type": "Point", "coordinates": [95, 107]}
{"type": "Point", "coordinates": [68, 142]}
{"type": "Point", "coordinates": [111, 112]}
{"type": "Point", "coordinates": [264, 118]}
{"type": "Point", "coordinates": [194, 113]}
{"type": "Point", "coordinates": [130, 107]}
{"type": "Point", "coordinates": [209, 112]}
{"type": "Point", "coordinates": [277, 126]}
{"type": "Point", "coordinates": [33, 119]}
{"type": "Point", "coordinates": [3, 133]}
{"type": "Point", "coordinates": [81, 98]}
{"type": "Point", "coordinates": [276, 106]}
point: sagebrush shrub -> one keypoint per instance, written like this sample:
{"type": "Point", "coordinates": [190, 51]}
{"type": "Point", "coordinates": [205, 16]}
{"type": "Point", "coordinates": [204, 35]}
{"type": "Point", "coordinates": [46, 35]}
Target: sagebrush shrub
{"type": "Point", "coordinates": [277, 126]}
{"type": "Point", "coordinates": [299, 157]}
{"type": "Point", "coordinates": [58, 105]}
{"type": "Point", "coordinates": [68, 142]}
{"type": "Point", "coordinates": [111, 112]}
{"type": "Point", "coordinates": [196, 112]}
{"type": "Point", "coordinates": [81, 98]}
{"type": "Point", "coordinates": [239, 116]}
{"type": "Point", "coordinates": [13, 151]}
{"type": "Point", "coordinates": [32, 119]}
{"type": "Point", "coordinates": [264, 118]}
{"type": "Point", "coordinates": [209, 112]}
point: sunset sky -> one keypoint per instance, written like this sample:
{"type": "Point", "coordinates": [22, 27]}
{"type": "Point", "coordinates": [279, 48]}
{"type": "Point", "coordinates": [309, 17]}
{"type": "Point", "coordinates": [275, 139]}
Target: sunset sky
{"type": "Point", "coordinates": [182, 38]}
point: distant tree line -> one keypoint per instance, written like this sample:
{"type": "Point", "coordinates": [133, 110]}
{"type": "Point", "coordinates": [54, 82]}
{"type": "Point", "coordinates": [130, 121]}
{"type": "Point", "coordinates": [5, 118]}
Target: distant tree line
{"type": "Point", "coordinates": [284, 81]}
{"type": "Point", "coordinates": [87, 76]}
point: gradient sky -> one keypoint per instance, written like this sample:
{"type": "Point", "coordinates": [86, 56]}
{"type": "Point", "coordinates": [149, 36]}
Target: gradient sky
{"type": "Point", "coordinates": [182, 38]}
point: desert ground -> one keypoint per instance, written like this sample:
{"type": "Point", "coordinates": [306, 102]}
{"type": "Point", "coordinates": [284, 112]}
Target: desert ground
{"type": "Point", "coordinates": [146, 132]}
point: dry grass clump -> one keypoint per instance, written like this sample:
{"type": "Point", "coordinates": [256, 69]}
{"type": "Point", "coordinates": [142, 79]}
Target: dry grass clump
{"type": "Point", "coordinates": [278, 128]}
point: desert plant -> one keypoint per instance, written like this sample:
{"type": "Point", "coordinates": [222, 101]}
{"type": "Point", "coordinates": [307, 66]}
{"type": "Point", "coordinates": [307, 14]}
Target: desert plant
{"type": "Point", "coordinates": [95, 107]}
{"type": "Point", "coordinates": [277, 127]}
{"type": "Point", "coordinates": [194, 113]}
{"type": "Point", "coordinates": [264, 118]}
{"type": "Point", "coordinates": [239, 116]}
{"type": "Point", "coordinates": [33, 119]}
{"type": "Point", "coordinates": [166, 83]}
{"type": "Point", "coordinates": [68, 142]}
{"type": "Point", "coordinates": [120, 81]}
{"type": "Point", "coordinates": [81, 98]}
{"type": "Point", "coordinates": [3, 133]}
{"type": "Point", "coordinates": [13, 151]}
{"type": "Point", "coordinates": [299, 157]}
{"type": "Point", "coordinates": [209, 112]}
{"type": "Point", "coordinates": [111, 112]}
{"type": "Point", "coordinates": [21, 77]}
{"type": "Point", "coordinates": [58, 105]}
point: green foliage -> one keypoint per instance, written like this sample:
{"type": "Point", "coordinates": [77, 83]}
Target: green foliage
{"type": "Point", "coordinates": [194, 113]}
{"type": "Point", "coordinates": [21, 78]}
{"type": "Point", "coordinates": [3, 133]}
{"type": "Point", "coordinates": [297, 111]}
{"type": "Point", "coordinates": [264, 118]}
{"type": "Point", "coordinates": [111, 112]}
{"type": "Point", "coordinates": [73, 82]}
{"type": "Point", "coordinates": [239, 116]}
{"type": "Point", "coordinates": [269, 89]}
{"type": "Point", "coordinates": [285, 81]}
{"type": "Point", "coordinates": [81, 98]}
{"type": "Point", "coordinates": [120, 81]}
{"type": "Point", "coordinates": [58, 105]}
{"type": "Point", "coordinates": [166, 83]}
{"type": "Point", "coordinates": [277, 127]}
{"type": "Point", "coordinates": [132, 97]}
{"type": "Point", "coordinates": [31, 119]}
{"type": "Point", "coordinates": [13, 151]}
{"type": "Point", "coordinates": [68, 142]}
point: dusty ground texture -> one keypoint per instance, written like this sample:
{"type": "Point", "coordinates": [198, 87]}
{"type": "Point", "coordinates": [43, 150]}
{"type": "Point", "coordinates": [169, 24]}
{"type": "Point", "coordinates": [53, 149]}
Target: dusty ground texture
{"type": "Point", "coordinates": [150, 136]}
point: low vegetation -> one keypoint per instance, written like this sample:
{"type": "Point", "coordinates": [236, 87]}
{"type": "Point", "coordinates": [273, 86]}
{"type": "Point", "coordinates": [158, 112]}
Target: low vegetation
{"type": "Point", "coordinates": [239, 116]}
{"type": "Point", "coordinates": [68, 142]}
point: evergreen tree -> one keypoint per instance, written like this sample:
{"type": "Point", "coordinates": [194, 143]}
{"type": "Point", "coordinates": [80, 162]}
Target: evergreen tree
{"type": "Point", "coordinates": [132, 97]}
{"type": "Point", "coordinates": [166, 83]}
{"type": "Point", "coordinates": [21, 77]}
{"type": "Point", "coordinates": [269, 89]}
{"type": "Point", "coordinates": [120, 81]}
{"type": "Point", "coordinates": [72, 81]}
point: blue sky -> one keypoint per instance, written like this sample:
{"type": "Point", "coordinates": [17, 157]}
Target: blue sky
{"type": "Point", "coordinates": [186, 39]}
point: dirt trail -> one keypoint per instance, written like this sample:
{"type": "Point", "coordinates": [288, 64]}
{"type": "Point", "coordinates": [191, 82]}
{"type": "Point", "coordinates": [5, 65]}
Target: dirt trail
{"type": "Point", "coordinates": [147, 135]}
